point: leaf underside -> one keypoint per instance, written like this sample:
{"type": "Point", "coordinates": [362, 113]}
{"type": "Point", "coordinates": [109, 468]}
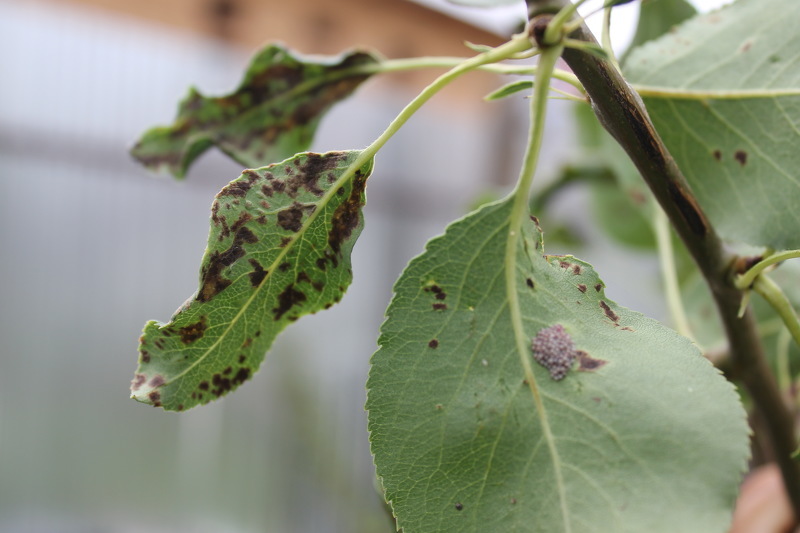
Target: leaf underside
{"type": "Point", "coordinates": [646, 434]}
{"type": "Point", "coordinates": [723, 90]}
{"type": "Point", "coordinates": [272, 115]}
{"type": "Point", "coordinates": [278, 248]}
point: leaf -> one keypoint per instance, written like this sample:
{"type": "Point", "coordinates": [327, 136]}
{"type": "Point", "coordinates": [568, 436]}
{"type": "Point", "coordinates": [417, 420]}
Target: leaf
{"type": "Point", "coordinates": [272, 115]}
{"type": "Point", "coordinates": [657, 17]}
{"type": "Point", "coordinates": [724, 93]}
{"type": "Point", "coordinates": [642, 434]}
{"type": "Point", "coordinates": [509, 89]}
{"type": "Point", "coordinates": [279, 248]}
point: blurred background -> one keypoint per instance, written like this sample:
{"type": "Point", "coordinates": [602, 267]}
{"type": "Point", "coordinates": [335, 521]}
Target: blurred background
{"type": "Point", "coordinates": [93, 246]}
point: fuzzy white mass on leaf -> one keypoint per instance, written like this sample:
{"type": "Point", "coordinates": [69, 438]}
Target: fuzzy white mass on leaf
{"type": "Point", "coordinates": [554, 350]}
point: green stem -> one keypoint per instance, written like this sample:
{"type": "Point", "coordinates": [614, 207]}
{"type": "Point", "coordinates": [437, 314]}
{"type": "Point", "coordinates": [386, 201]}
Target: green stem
{"type": "Point", "coordinates": [772, 293]}
{"type": "Point", "coordinates": [401, 65]}
{"type": "Point", "coordinates": [666, 256]}
{"type": "Point", "coordinates": [519, 211]}
{"type": "Point", "coordinates": [745, 280]}
{"type": "Point", "coordinates": [518, 43]}
{"type": "Point", "coordinates": [606, 36]}
{"type": "Point", "coordinates": [782, 360]}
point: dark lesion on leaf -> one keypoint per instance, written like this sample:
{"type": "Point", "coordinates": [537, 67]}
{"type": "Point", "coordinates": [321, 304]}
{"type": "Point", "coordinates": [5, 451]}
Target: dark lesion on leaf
{"type": "Point", "coordinates": [193, 332]}
{"type": "Point", "coordinates": [212, 282]}
{"type": "Point", "coordinates": [155, 398]}
{"type": "Point", "coordinates": [347, 216]}
{"type": "Point", "coordinates": [587, 363]}
{"type": "Point", "coordinates": [288, 299]}
{"type": "Point", "coordinates": [741, 157]}
{"type": "Point", "coordinates": [582, 287]}
{"type": "Point", "coordinates": [138, 381]}
{"type": "Point", "coordinates": [258, 274]}
{"type": "Point", "coordinates": [439, 307]}
{"type": "Point", "coordinates": [610, 314]}
{"type": "Point", "coordinates": [291, 218]}
{"type": "Point", "coordinates": [157, 381]}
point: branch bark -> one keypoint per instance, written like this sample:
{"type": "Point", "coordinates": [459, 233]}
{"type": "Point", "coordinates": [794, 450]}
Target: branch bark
{"type": "Point", "coordinates": [622, 113]}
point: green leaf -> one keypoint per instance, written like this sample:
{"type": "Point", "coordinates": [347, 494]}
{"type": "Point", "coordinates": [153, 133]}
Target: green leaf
{"type": "Point", "coordinates": [509, 89]}
{"type": "Point", "coordinates": [642, 434]}
{"type": "Point", "coordinates": [272, 115]}
{"type": "Point", "coordinates": [279, 248]}
{"type": "Point", "coordinates": [657, 17]}
{"type": "Point", "coordinates": [724, 93]}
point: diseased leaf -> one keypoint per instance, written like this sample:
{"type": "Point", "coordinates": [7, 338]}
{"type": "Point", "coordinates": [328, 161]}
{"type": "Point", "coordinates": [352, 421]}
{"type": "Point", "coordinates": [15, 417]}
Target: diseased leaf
{"type": "Point", "coordinates": [272, 115]}
{"type": "Point", "coordinates": [279, 248]}
{"type": "Point", "coordinates": [723, 90]}
{"type": "Point", "coordinates": [641, 434]}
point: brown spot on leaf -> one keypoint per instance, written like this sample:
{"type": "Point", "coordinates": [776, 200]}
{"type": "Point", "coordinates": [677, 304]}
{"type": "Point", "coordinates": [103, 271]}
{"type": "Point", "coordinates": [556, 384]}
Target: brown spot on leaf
{"type": "Point", "coordinates": [236, 188]}
{"type": "Point", "coordinates": [459, 506]}
{"type": "Point", "coordinates": [564, 264]}
{"type": "Point", "coordinates": [347, 216]}
{"type": "Point", "coordinates": [598, 287]}
{"type": "Point", "coordinates": [241, 376]}
{"type": "Point", "coordinates": [288, 299]}
{"type": "Point", "coordinates": [203, 385]}
{"type": "Point", "coordinates": [582, 287]}
{"type": "Point", "coordinates": [258, 274]}
{"type": "Point", "coordinates": [212, 282]}
{"type": "Point", "coordinates": [193, 332]}
{"type": "Point", "coordinates": [741, 157]}
{"type": "Point", "coordinates": [145, 358]}
{"type": "Point", "coordinates": [439, 307]}
{"type": "Point", "coordinates": [576, 269]}
{"type": "Point", "coordinates": [612, 316]}
{"type": "Point", "coordinates": [138, 381]}
{"type": "Point", "coordinates": [529, 282]}
{"type": "Point", "coordinates": [717, 155]}
{"type": "Point", "coordinates": [227, 371]}
{"type": "Point", "coordinates": [155, 397]}
{"type": "Point", "coordinates": [157, 381]}
{"type": "Point", "coordinates": [433, 343]}
{"type": "Point", "coordinates": [587, 363]}
{"type": "Point", "coordinates": [285, 241]}
{"type": "Point", "coordinates": [247, 342]}
{"type": "Point", "coordinates": [291, 218]}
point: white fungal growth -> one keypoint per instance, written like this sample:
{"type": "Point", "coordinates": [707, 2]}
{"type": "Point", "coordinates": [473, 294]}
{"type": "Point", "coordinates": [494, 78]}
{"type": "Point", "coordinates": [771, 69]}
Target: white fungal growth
{"type": "Point", "coordinates": [554, 350]}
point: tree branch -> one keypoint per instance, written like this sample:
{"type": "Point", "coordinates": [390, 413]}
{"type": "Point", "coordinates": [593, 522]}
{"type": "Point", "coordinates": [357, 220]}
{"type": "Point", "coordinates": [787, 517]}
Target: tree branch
{"type": "Point", "coordinates": [622, 112]}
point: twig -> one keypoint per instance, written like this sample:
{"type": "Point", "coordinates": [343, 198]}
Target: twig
{"type": "Point", "coordinates": [622, 113]}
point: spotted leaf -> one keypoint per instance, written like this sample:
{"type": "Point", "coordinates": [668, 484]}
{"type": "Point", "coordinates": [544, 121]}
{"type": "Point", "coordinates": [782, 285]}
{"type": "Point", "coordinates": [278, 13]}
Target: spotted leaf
{"type": "Point", "coordinates": [279, 248]}
{"type": "Point", "coordinates": [621, 426]}
{"type": "Point", "coordinates": [271, 115]}
{"type": "Point", "coordinates": [723, 90]}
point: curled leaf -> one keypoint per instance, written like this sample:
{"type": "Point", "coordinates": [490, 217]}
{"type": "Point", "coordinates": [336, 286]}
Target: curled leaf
{"type": "Point", "coordinates": [271, 115]}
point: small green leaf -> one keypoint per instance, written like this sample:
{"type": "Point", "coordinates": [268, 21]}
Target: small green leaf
{"type": "Point", "coordinates": [509, 89]}
{"type": "Point", "coordinates": [723, 90]}
{"type": "Point", "coordinates": [279, 248]}
{"type": "Point", "coordinates": [271, 115]}
{"type": "Point", "coordinates": [642, 434]}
